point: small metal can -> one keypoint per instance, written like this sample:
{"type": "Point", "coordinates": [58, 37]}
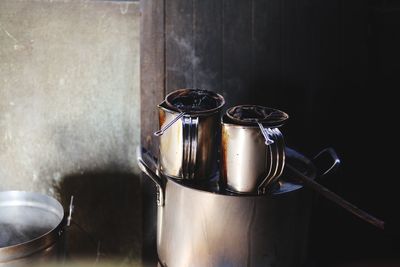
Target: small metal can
{"type": "Point", "coordinates": [252, 148]}
{"type": "Point", "coordinates": [190, 131]}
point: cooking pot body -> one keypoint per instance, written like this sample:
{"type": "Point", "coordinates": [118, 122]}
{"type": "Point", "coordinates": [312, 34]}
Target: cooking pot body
{"type": "Point", "coordinates": [197, 228]}
{"type": "Point", "coordinates": [189, 148]}
{"type": "Point", "coordinates": [211, 227]}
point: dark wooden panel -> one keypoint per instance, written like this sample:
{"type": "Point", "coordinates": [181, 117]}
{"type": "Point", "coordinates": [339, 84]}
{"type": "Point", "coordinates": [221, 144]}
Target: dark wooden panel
{"type": "Point", "coordinates": [180, 50]}
{"type": "Point", "coordinates": [207, 30]}
{"type": "Point", "coordinates": [237, 45]}
{"type": "Point", "coordinates": [267, 52]}
{"type": "Point", "coordinates": [151, 93]}
{"type": "Point", "coordinates": [152, 69]}
{"type": "Point", "coordinates": [296, 67]}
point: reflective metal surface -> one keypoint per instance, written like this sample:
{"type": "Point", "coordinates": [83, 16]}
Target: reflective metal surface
{"type": "Point", "coordinates": [189, 147]}
{"type": "Point", "coordinates": [278, 160]}
{"type": "Point", "coordinates": [200, 227]}
{"type": "Point", "coordinates": [248, 165]}
{"type": "Point", "coordinates": [169, 124]}
{"type": "Point", "coordinates": [31, 225]}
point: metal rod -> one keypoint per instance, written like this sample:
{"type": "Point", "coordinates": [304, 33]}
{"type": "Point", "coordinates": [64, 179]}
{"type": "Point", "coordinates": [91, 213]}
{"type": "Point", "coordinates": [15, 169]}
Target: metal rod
{"type": "Point", "coordinates": [71, 210]}
{"type": "Point", "coordinates": [163, 129]}
{"type": "Point", "coordinates": [338, 200]}
{"type": "Point", "coordinates": [264, 132]}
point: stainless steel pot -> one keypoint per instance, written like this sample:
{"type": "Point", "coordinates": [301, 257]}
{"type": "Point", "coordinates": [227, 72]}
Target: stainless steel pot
{"type": "Point", "coordinates": [248, 165]}
{"type": "Point", "coordinates": [207, 226]}
{"type": "Point", "coordinates": [31, 227]}
{"type": "Point", "coordinates": [190, 132]}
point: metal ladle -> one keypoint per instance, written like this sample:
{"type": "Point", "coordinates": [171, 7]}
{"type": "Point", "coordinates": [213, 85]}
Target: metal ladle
{"type": "Point", "coordinates": [169, 124]}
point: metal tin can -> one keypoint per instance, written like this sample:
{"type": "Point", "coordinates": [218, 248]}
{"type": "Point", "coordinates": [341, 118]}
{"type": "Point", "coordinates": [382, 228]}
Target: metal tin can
{"type": "Point", "coordinates": [190, 135]}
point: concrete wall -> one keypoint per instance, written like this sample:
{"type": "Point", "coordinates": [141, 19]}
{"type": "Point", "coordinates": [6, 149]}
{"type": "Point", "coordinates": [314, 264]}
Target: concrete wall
{"type": "Point", "coordinates": [69, 112]}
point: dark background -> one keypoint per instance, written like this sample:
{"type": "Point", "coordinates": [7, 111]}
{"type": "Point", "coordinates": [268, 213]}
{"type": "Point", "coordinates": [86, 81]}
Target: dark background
{"type": "Point", "coordinates": [332, 65]}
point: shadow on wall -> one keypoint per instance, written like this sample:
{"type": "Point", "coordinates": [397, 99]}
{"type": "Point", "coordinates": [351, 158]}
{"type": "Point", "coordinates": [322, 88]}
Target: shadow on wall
{"type": "Point", "coordinates": [106, 214]}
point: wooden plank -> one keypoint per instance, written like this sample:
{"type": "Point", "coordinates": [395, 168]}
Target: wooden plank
{"type": "Point", "coordinates": [180, 53]}
{"type": "Point", "coordinates": [207, 31]}
{"type": "Point", "coordinates": [236, 58]}
{"type": "Point", "coordinates": [152, 69]}
{"type": "Point", "coordinates": [152, 64]}
{"type": "Point", "coordinates": [298, 68]}
{"type": "Point", "coordinates": [267, 52]}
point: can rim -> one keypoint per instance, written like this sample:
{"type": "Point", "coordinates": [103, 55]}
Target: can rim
{"type": "Point", "coordinates": [219, 98]}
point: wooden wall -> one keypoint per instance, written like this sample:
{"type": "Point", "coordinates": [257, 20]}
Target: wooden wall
{"type": "Point", "coordinates": [329, 64]}
{"type": "Point", "coordinates": [274, 53]}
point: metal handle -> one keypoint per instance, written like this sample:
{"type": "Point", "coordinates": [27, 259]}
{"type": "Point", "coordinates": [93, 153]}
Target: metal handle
{"type": "Point", "coordinates": [153, 176]}
{"type": "Point", "coordinates": [190, 143]}
{"type": "Point", "coordinates": [277, 160]}
{"type": "Point", "coordinates": [337, 199]}
{"type": "Point", "coordinates": [336, 161]}
{"type": "Point", "coordinates": [169, 124]}
{"type": "Point", "coordinates": [280, 144]}
{"type": "Point", "coordinates": [71, 210]}
{"type": "Point", "coordinates": [265, 133]}
{"type": "Point", "coordinates": [271, 158]}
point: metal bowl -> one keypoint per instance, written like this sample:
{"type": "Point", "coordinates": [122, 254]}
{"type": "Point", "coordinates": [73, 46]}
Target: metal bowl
{"type": "Point", "coordinates": [30, 224]}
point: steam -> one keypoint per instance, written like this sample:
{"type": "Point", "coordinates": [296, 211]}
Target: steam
{"type": "Point", "coordinates": [20, 224]}
{"type": "Point", "coordinates": [195, 76]}
{"type": "Point", "coordinates": [13, 234]}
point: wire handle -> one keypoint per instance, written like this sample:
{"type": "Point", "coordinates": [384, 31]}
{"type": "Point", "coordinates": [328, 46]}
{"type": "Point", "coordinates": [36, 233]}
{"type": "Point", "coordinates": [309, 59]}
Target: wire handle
{"type": "Point", "coordinates": [337, 199]}
{"type": "Point", "coordinates": [336, 161]}
{"type": "Point", "coordinates": [71, 210]}
{"type": "Point", "coordinates": [169, 124]}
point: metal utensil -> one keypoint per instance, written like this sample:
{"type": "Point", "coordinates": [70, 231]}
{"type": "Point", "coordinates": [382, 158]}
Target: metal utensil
{"type": "Point", "coordinates": [337, 199]}
{"type": "Point", "coordinates": [268, 140]}
{"type": "Point", "coordinates": [189, 148]}
{"type": "Point", "coordinates": [31, 227]}
{"type": "Point", "coordinates": [169, 124]}
{"type": "Point", "coordinates": [253, 150]}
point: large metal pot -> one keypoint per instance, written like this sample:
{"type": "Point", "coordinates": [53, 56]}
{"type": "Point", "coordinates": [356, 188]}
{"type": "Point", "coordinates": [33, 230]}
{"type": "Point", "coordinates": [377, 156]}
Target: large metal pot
{"type": "Point", "coordinates": [31, 228]}
{"type": "Point", "coordinates": [210, 227]}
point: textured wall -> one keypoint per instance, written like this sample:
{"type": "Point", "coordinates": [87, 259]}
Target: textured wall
{"type": "Point", "coordinates": [69, 111]}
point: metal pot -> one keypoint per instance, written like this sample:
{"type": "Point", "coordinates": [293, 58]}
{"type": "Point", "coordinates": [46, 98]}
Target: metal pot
{"type": "Point", "coordinates": [31, 227]}
{"type": "Point", "coordinates": [190, 133]}
{"type": "Point", "coordinates": [207, 226]}
{"type": "Point", "coordinates": [248, 163]}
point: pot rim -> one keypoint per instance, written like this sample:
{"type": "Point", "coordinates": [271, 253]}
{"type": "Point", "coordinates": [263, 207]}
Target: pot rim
{"type": "Point", "coordinates": [225, 122]}
{"type": "Point", "coordinates": [173, 109]}
{"type": "Point", "coordinates": [276, 124]}
{"type": "Point", "coordinates": [286, 187]}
